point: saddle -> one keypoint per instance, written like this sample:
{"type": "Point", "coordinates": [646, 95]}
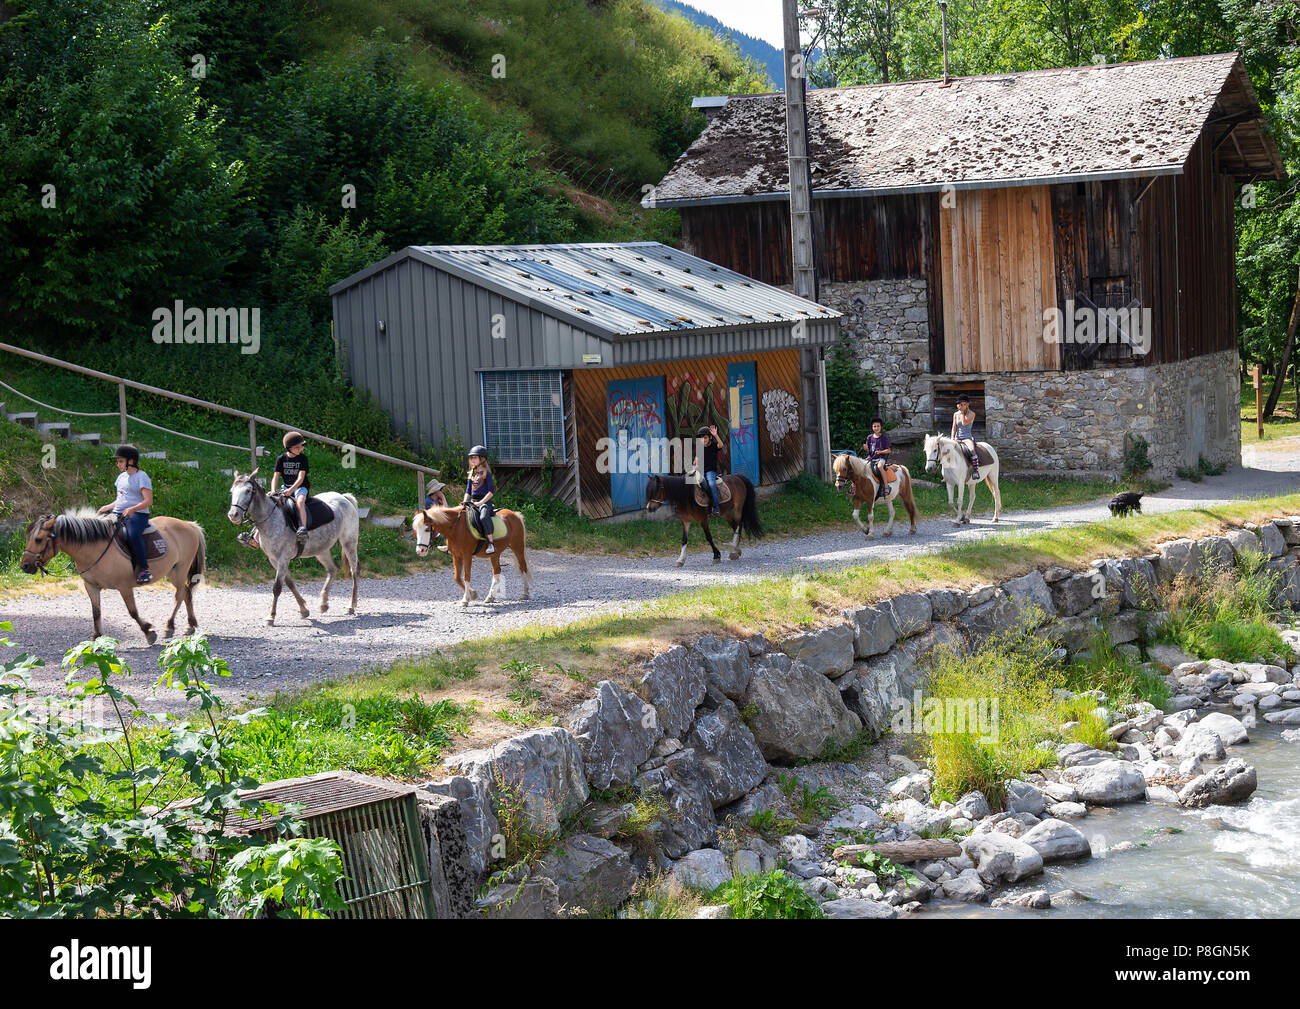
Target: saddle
{"type": "Point", "coordinates": [981, 450]}
{"type": "Point", "coordinates": [498, 525]}
{"type": "Point", "coordinates": [892, 483]}
{"type": "Point", "coordinates": [155, 544]}
{"type": "Point", "coordinates": [318, 512]}
{"type": "Point", "coordinates": [702, 493]}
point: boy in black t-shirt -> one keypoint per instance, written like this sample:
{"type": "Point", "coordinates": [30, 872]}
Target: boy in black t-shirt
{"type": "Point", "coordinates": [292, 468]}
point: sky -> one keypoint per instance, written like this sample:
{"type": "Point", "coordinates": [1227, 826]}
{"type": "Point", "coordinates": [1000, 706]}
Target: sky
{"type": "Point", "coordinates": [760, 18]}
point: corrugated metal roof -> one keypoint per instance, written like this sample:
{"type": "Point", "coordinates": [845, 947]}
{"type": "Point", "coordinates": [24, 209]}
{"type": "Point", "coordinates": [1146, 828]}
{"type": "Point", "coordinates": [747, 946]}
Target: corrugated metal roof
{"type": "Point", "coordinates": [1116, 120]}
{"type": "Point", "coordinates": [623, 289]}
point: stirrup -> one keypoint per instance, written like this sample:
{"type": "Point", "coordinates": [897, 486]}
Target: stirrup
{"type": "Point", "coordinates": [144, 577]}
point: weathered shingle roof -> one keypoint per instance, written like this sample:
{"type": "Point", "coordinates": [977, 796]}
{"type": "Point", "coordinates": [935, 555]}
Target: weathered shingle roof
{"type": "Point", "coordinates": [1110, 121]}
{"type": "Point", "coordinates": [616, 289]}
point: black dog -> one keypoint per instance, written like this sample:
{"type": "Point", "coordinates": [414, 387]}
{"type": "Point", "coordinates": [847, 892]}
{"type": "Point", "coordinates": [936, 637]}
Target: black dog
{"type": "Point", "coordinates": [1122, 504]}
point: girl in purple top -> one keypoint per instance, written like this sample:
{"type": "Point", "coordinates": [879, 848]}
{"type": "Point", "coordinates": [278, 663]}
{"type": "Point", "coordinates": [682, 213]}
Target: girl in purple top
{"type": "Point", "coordinates": [479, 489]}
{"type": "Point", "coordinates": [878, 448]}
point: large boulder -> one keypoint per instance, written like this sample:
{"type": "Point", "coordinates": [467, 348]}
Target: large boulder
{"type": "Point", "coordinates": [856, 907]}
{"type": "Point", "coordinates": [535, 897]}
{"type": "Point", "coordinates": [1272, 540]}
{"type": "Point", "coordinates": [615, 731]}
{"type": "Point", "coordinates": [1075, 594]}
{"type": "Point", "coordinates": [477, 815]}
{"type": "Point", "coordinates": [726, 664]}
{"type": "Point", "coordinates": [730, 759]}
{"type": "Point", "coordinates": [946, 603]}
{"type": "Point", "coordinates": [682, 781]}
{"type": "Point", "coordinates": [1178, 557]}
{"type": "Point", "coordinates": [1217, 553]}
{"type": "Point", "coordinates": [1133, 579]}
{"type": "Point", "coordinates": [1229, 729]}
{"type": "Point", "coordinates": [873, 630]}
{"type": "Point", "coordinates": [911, 613]}
{"type": "Point", "coordinates": [1030, 593]}
{"type": "Point", "coordinates": [1199, 742]}
{"type": "Point", "coordinates": [675, 684]}
{"type": "Point", "coordinates": [589, 872]}
{"type": "Point", "coordinates": [703, 870]}
{"type": "Point", "coordinates": [542, 768]}
{"type": "Point", "coordinates": [1057, 841]}
{"type": "Point", "coordinates": [1107, 783]}
{"type": "Point", "coordinates": [828, 651]}
{"type": "Point", "coordinates": [1000, 858]}
{"type": "Point", "coordinates": [967, 886]}
{"type": "Point", "coordinates": [1233, 781]}
{"type": "Point", "coordinates": [1022, 797]}
{"type": "Point", "coordinates": [998, 614]}
{"type": "Point", "coordinates": [796, 712]}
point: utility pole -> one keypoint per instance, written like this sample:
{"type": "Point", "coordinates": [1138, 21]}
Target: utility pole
{"type": "Point", "coordinates": [803, 258]}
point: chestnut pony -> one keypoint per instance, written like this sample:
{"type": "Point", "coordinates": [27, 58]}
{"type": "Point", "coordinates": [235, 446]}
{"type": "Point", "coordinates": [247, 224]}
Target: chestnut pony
{"type": "Point", "coordinates": [853, 475]}
{"type": "Point", "coordinates": [463, 545]}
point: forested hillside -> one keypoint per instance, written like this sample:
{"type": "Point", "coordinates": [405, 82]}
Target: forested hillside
{"type": "Point", "coordinates": [250, 154]}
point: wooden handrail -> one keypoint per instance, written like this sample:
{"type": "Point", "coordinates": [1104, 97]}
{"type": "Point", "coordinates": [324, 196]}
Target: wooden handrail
{"type": "Point", "coordinates": [252, 418]}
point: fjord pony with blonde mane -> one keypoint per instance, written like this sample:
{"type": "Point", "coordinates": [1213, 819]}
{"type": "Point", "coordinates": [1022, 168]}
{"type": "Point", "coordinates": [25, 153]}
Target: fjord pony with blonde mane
{"type": "Point", "coordinates": [88, 540]}
{"type": "Point", "coordinates": [853, 475]}
{"type": "Point", "coordinates": [463, 545]}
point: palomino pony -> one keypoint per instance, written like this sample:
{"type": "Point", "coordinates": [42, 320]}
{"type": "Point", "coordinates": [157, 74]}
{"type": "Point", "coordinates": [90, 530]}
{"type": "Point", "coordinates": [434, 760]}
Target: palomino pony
{"type": "Point", "coordinates": [88, 540]}
{"type": "Point", "coordinates": [853, 475]}
{"type": "Point", "coordinates": [741, 511]}
{"type": "Point", "coordinates": [463, 544]}
{"type": "Point", "coordinates": [249, 502]}
{"type": "Point", "coordinates": [943, 453]}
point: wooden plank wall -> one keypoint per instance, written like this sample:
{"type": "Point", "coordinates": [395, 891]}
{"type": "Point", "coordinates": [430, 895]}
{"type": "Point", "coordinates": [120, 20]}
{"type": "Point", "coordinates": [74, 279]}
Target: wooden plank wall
{"type": "Point", "coordinates": [874, 238]}
{"type": "Point", "coordinates": [996, 270]}
{"type": "Point", "coordinates": [775, 370]}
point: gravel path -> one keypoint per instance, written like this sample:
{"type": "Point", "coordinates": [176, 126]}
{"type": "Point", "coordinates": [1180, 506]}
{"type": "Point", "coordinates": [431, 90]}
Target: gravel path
{"type": "Point", "coordinates": [414, 614]}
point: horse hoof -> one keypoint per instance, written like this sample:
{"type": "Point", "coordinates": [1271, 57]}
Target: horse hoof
{"type": "Point", "coordinates": [352, 611]}
{"type": "Point", "coordinates": [324, 607]}
{"type": "Point", "coordinates": [717, 559]}
{"type": "Point", "coordinates": [151, 636]}
{"type": "Point", "coordinates": [678, 564]}
{"type": "Point", "coordinates": [888, 532]}
{"type": "Point", "coordinates": [734, 555]}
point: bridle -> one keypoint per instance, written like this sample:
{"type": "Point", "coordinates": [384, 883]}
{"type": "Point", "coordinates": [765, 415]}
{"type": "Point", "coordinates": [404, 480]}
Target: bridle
{"type": "Point", "coordinates": [652, 503]}
{"type": "Point", "coordinates": [245, 509]}
{"type": "Point", "coordinates": [53, 545]}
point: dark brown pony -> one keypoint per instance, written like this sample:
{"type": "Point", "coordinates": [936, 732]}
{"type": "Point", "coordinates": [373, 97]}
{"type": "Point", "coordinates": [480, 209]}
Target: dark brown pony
{"type": "Point", "coordinates": [853, 475]}
{"type": "Point", "coordinates": [463, 544]}
{"type": "Point", "coordinates": [741, 511]}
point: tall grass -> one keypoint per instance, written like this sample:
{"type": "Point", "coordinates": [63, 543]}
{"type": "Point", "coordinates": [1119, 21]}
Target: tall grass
{"type": "Point", "coordinates": [1226, 614]}
{"type": "Point", "coordinates": [1103, 666]}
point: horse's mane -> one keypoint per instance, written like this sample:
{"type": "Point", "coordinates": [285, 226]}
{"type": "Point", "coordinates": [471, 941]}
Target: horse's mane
{"type": "Point", "coordinates": [439, 513]}
{"type": "Point", "coordinates": [857, 464]}
{"type": "Point", "coordinates": [678, 489]}
{"type": "Point", "coordinates": [82, 529]}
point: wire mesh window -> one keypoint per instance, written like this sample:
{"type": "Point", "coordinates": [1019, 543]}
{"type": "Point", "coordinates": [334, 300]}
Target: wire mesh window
{"type": "Point", "coordinates": [523, 415]}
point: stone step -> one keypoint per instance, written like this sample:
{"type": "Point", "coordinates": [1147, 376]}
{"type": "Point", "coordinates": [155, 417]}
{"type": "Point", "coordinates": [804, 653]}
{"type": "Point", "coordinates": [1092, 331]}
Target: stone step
{"type": "Point", "coordinates": [153, 455]}
{"type": "Point", "coordinates": [191, 463]}
{"type": "Point", "coordinates": [92, 438]}
{"type": "Point", "coordinates": [26, 419]}
{"type": "Point", "coordinates": [388, 521]}
{"type": "Point", "coordinates": [363, 511]}
{"type": "Point", "coordinates": [60, 427]}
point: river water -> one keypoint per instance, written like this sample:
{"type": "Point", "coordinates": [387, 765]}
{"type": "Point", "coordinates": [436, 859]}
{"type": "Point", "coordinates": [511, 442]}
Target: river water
{"type": "Point", "coordinates": [1220, 862]}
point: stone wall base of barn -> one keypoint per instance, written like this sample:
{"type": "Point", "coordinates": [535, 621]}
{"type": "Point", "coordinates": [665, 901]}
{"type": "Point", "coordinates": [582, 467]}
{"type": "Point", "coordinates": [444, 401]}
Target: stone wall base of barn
{"type": "Point", "coordinates": [1068, 422]}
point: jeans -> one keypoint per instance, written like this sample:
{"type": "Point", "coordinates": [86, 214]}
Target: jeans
{"type": "Point", "coordinates": [484, 513]}
{"type": "Point", "coordinates": [135, 524]}
{"type": "Point", "coordinates": [712, 479]}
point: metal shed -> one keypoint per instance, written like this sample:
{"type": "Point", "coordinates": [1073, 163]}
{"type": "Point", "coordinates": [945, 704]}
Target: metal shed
{"type": "Point", "coordinates": [522, 348]}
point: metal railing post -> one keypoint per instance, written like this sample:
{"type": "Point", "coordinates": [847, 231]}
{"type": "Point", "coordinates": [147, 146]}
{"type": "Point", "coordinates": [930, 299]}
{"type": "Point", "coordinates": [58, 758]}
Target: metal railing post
{"type": "Point", "coordinates": [121, 409]}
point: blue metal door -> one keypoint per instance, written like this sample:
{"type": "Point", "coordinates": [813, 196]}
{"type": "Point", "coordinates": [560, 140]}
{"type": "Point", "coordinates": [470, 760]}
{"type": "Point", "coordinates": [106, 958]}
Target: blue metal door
{"type": "Point", "coordinates": [635, 408]}
{"type": "Point", "coordinates": [742, 397]}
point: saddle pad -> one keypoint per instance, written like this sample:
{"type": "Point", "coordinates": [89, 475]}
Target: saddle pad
{"type": "Point", "coordinates": [318, 513]}
{"type": "Point", "coordinates": [498, 527]}
{"type": "Point", "coordinates": [982, 450]}
{"type": "Point", "coordinates": [155, 545]}
{"type": "Point", "coordinates": [702, 493]}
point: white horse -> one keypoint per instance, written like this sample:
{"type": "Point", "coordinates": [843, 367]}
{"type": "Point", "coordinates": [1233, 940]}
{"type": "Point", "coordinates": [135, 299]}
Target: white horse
{"type": "Point", "coordinates": [250, 502]}
{"type": "Point", "coordinates": [945, 454]}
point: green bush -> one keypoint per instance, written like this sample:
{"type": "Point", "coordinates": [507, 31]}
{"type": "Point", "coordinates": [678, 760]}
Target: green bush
{"type": "Point", "coordinates": [1137, 456]}
{"type": "Point", "coordinates": [766, 895]}
{"type": "Point", "coordinates": [1225, 614]}
{"type": "Point", "coordinates": [851, 397]}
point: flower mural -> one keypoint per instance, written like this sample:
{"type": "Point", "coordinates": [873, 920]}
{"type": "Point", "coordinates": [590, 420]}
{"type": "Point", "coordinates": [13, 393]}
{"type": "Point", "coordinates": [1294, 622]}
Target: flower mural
{"type": "Point", "coordinates": [780, 416]}
{"type": "Point", "coordinates": [694, 403]}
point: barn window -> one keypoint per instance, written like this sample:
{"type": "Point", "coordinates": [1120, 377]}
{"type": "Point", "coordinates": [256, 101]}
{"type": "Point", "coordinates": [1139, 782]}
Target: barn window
{"type": "Point", "coordinates": [523, 415]}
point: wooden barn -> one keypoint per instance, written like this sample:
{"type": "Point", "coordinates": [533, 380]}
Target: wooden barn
{"type": "Point", "coordinates": [1058, 244]}
{"type": "Point", "coordinates": [584, 368]}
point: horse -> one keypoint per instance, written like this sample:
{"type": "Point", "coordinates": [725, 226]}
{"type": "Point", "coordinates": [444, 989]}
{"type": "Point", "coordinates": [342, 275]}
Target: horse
{"type": "Point", "coordinates": [741, 511]}
{"type": "Point", "coordinates": [943, 453]}
{"type": "Point", "coordinates": [853, 475]}
{"type": "Point", "coordinates": [88, 540]}
{"type": "Point", "coordinates": [249, 502]}
{"type": "Point", "coordinates": [462, 544]}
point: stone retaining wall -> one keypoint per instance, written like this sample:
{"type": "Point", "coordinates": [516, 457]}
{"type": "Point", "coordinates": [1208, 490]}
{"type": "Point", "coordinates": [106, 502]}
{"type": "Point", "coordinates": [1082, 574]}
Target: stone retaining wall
{"type": "Point", "coordinates": [707, 720]}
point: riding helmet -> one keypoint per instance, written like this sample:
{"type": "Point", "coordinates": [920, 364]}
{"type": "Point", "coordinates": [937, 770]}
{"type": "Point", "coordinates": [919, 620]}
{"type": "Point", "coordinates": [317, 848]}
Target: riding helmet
{"type": "Point", "coordinates": [293, 438]}
{"type": "Point", "coordinates": [479, 451]}
{"type": "Point", "coordinates": [128, 452]}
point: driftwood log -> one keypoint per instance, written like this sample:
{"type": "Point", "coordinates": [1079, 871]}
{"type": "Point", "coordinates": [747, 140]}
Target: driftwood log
{"type": "Point", "coordinates": [904, 851]}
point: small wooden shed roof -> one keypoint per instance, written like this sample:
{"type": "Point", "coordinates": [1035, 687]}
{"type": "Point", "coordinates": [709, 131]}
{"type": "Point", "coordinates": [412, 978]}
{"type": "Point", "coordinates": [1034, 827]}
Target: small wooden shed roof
{"type": "Point", "coordinates": [1038, 127]}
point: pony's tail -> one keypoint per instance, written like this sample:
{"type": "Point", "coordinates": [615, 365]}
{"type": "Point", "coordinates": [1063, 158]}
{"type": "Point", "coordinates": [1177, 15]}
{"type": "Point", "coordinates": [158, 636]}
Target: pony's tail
{"type": "Point", "coordinates": [523, 545]}
{"type": "Point", "coordinates": [749, 514]}
{"type": "Point", "coordinates": [199, 565]}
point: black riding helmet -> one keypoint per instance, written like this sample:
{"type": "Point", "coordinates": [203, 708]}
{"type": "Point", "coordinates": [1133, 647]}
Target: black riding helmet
{"type": "Point", "coordinates": [293, 438]}
{"type": "Point", "coordinates": [477, 450]}
{"type": "Point", "coordinates": [128, 452]}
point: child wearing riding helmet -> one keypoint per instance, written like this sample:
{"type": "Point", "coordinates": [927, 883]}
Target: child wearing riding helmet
{"type": "Point", "coordinates": [878, 450]}
{"type": "Point", "coordinates": [479, 489]}
{"type": "Point", "coordinates": [292, 467]}
{"type": "Point", "coordinates": [708, 464]}
{"type": "Point", "coordinates": [134, 499]}
{"type": "Point", "coordinates": [434, 496]}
